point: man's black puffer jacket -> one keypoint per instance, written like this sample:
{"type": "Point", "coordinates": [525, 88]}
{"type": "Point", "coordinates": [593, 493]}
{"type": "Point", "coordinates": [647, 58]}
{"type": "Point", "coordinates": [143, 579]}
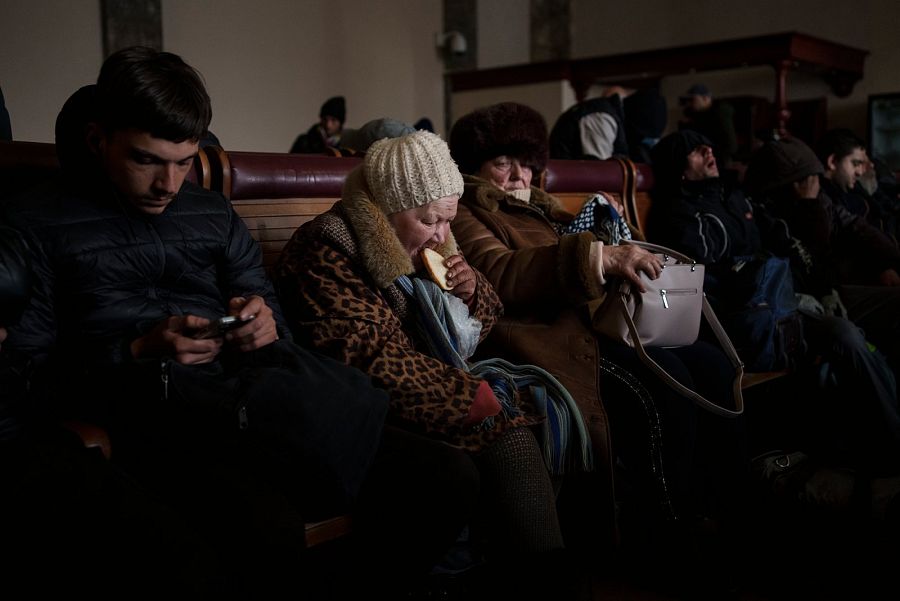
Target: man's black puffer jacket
{"type": "Point", "coordinates": [106, 273]}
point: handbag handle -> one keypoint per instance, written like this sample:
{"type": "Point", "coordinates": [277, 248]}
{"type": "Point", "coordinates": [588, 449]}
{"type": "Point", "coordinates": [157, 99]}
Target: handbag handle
{"type": "Point", "coordinates": [718, 330]}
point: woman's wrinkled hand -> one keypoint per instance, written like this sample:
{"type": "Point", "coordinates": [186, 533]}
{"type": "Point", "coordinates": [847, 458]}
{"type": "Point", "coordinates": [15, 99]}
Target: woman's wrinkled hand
{"type": "Point", "coordinates": [460, 278]}
{"type": "Point", "coordinates": [629, 261]}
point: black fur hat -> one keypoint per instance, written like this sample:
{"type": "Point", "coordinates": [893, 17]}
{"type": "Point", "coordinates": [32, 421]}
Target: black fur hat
{"type": "Point", "coordinates": [507, 128]}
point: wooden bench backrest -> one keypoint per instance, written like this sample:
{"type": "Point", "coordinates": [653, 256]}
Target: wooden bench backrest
{"type": "Point", "coordinates": [24, 164]}
{"type": "Point", "coordinates": [276, 193]}
{"type": "Point", "coordinates": [573, 182]}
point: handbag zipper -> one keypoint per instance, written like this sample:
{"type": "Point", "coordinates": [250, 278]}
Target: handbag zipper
{"type": "Point", "coordinates": [164, 376]}
{"type": "Point", "coordinates": [664, 293]}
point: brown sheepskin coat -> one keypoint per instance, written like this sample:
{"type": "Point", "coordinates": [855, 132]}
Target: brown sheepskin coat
{"type": "Point", "coordinates": [545, 283]}
{"type": "Point", "coordinates": [335, 280]}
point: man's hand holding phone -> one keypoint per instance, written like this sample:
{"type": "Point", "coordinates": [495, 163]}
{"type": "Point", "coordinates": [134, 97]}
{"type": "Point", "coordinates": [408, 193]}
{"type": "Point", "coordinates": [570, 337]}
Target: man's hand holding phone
{"type": "Point", "coordinates": [219, 327]}
{"type": "Point", "coordinates": [257, 332]}
{"type": "Point", "coordinates": [174, 337]}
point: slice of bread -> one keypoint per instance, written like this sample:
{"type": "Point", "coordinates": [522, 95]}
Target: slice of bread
{"type": "Point", "coordinates": [434, 263]}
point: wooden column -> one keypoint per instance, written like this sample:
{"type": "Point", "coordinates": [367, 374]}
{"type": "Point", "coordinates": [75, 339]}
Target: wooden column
{"type": "Point", "coordinates": [782, 113]}
{"type": "Point", "coordinates": [131, 23]}
{"type": "Point", "coordinates": [551, 37]}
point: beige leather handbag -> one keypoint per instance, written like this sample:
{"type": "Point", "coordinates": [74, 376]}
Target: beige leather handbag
{"type": "Point", "coordinates": [668, 314]}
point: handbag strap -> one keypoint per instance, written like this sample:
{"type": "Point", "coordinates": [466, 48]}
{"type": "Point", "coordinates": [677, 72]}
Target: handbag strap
{"type": "Point", "coordinates": [727, 346]}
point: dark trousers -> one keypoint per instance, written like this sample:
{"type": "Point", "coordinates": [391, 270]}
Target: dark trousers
{"type": "Point", "coordinates": [75, 525]}
{"type": "Point", "coordinates": [704, 458]}
{"type": "Point", "coordinates": [876, 309]}
{"type": "Point", "coordinates": [856, 418]}
{"type": "Point", "coordinates": [417, 496]}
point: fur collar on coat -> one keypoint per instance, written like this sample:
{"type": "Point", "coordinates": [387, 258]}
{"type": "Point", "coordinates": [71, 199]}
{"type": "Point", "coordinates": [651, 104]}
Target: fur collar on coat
{"type": "Point", "coordinates": [482, 193]}
{"type": "Point", "coordinates": [380, 250]}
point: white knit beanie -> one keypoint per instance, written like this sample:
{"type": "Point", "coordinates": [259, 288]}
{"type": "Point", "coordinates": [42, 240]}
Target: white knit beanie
{"type": "Point", "coordinates": [411, 171]}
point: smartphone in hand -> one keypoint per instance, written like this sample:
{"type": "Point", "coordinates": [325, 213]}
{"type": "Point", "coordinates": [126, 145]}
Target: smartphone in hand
{"type": "Point", "coordinates": [219, 327]}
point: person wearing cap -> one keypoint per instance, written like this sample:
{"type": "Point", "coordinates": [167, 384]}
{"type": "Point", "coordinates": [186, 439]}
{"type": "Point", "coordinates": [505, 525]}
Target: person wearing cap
{"type": "Point", "coordinates": [343, 281]}
{"type": "Point", "coordinates": [712, 118]}
{"type": "Point", "coordinates": [327, 132]}
{"type": "Point", "coordinates": [838, 251]}
{"type": "Point", "coordinates": [512, 232]}
{"type": "Point", "coordinates": [695, 213]}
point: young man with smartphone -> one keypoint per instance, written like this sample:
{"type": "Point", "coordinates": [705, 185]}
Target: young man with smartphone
{"type": "Point", "coordinates": [247, 434]}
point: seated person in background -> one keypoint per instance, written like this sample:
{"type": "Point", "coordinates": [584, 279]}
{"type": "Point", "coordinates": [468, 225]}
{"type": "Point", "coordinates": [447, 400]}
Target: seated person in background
{"type": "Point", "coordinates": [511, 231]}
{"type": "Point", "coordinates": [693, 212]}
{"type": "Point", "coordinates": [592, 129]}
{"type": "Point", "coordinates": [845, 162]}
{"type": "Point", "coordinates": [424, 123]}
{"type": "Point", "coordinates": [343, 280]}
{"type": "Point", "coordinates": [713, 118]}
{"type": "Point", "coordinates": [245, 433]}
{"type": "Point", "coordinates": [357, 141]}
{"type": "Point", "coordinates": [645, 121]}
{"type": "Point", "coordinates": [878, 186]}
{"type": "Point", "coordinates": [846, 261]}
{"type": "Point", "coordinates": [327, 132]}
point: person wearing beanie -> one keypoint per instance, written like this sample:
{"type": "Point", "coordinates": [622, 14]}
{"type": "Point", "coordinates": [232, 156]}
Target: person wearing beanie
{"type": "Point", "coordinates": [357, 141]}
{"type": "Point", "coordinates": [711, 117]}
{"type": "Point", "coordinates": [693, 211]}
{"type": "Point", "coordinates": [327, 132]}
{"type": "Point", "coordinates": [733, 234]}
{"type": "Point", "coordinates": [349, 283]}
{"type": "Point", "coordinates": [549, 282]}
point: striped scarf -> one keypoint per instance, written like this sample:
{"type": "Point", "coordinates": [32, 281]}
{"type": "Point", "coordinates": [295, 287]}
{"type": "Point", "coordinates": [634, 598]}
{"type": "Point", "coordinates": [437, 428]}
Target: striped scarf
{"type": "Point", "coordinates": [565, 441]}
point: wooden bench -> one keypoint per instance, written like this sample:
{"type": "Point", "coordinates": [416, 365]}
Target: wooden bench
{"type": "Point", "coordinates": [573, 182]}
{"type": "Point", "coordinates": [277, 192]}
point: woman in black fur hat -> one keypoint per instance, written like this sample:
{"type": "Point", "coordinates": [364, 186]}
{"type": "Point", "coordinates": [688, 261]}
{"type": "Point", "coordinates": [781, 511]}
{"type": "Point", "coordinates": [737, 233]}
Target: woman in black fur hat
{"type": "Point", "coordinates": [515, 234]}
